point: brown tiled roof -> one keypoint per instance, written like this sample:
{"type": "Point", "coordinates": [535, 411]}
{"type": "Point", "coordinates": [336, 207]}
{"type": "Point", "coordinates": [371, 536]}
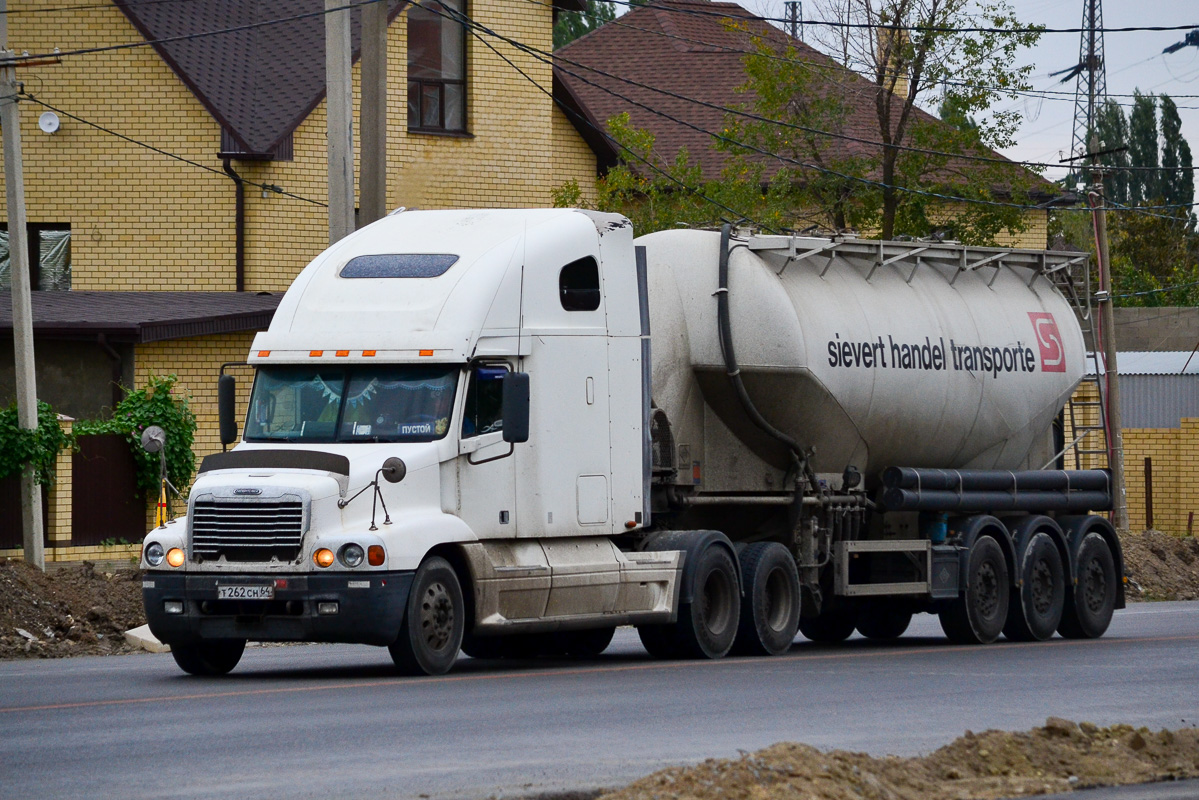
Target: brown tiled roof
{"type": "Point", "coordinates": [258, 83]}
{"type": "Point", "coordinates": [143, 316]}
{"type": "Point", "coordinates": [686, 47]}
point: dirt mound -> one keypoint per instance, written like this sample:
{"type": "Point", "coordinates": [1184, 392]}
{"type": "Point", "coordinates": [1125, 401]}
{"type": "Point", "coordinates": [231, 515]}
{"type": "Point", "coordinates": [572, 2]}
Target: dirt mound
{"type": "Point", "coordinates": [1161, 566]}
{"type": "Point", "coordinates": [69, 611]}
{"type": "Point", "coordinates": [1056, 758]}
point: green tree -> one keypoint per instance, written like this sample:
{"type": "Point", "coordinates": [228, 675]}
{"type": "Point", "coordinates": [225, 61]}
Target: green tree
{"type": "Point", "coordinates": [570, 25]}
{"type": "Point", "coordinates": [1142, 149]}
{"type": "Point", "coordinates": [1177, 179]}
{"type": "Point", "coordinates": [1111, 128]}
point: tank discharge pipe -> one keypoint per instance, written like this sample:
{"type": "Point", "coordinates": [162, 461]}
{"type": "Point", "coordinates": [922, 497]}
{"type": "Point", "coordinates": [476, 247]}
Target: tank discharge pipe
{"type": "Point", "coordinates": [734, 371]}
{"type": "Point", "coordinates": [1074, 491]}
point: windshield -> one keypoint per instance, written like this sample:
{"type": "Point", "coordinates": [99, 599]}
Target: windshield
{"type": "Point", "coordinates": [406, 403]}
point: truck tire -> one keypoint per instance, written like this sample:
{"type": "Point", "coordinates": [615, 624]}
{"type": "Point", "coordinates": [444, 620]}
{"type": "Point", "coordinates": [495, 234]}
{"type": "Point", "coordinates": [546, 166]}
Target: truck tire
{"type": "Point", "coordinates": [883, 621]}
{"type": "Point", "coordinates": [208, 656]}
{"type": "Point", "coordinates": [434, 620]}
{"type": "Point", "coordinates": [1035, 608]}
{"type": "Point", "coordinates": [1089, 607]}
{"type": "Point", "coordinates": [978, 614]}
{"type": "Point", "coordinates": [587, 643]}
{"type": "Point", "coordinates": [833, 624]}
{"type": "Point", "coordinates": [770, 605]}
{"type": "Point", "coordinates": [707, 626]}
{"type": "Point", "coordinates": [660, 641]}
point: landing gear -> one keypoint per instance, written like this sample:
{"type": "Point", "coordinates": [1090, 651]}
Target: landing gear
{"type": "Point", "coordinates": [434, 620]}
{"type": "Point", "coordinates": [978, 614]}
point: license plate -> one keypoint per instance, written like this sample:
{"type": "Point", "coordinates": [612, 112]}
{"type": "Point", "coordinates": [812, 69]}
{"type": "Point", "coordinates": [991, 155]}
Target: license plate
{"type": "Point", "coordinates": [245, 592]}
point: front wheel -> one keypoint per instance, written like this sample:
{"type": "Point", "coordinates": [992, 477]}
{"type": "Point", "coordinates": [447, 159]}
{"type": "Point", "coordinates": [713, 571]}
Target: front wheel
{"type": "Point", "coordinates": [208, 656]}
{"type": "Point", "coordinates": [434, 621]}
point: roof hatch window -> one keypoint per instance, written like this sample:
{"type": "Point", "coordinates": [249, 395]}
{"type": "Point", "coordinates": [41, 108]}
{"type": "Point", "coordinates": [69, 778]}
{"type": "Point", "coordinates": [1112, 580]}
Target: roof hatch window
{"type": "Point", "coordinates": [578, 285]}
{"type": "Point", "coordinates": [408, 265]}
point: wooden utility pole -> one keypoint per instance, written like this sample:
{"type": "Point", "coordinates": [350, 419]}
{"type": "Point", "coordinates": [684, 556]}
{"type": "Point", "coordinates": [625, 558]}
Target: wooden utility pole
{"type": "Point", "coordinates": [22, 310]}
{"type": "Point", "coordinates": [340, 120]}
{"type": "Point", "coordinates": [373, 114]}
{"type": "Point", "coordinates": [1107, 326]}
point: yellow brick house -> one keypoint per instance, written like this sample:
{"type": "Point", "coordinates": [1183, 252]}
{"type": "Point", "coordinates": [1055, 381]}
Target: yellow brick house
{"type": "Point", "coordinates": [142, 122]}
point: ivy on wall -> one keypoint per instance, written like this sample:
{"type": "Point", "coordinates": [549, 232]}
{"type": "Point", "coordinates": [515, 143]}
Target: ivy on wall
{"type": "Point", "coordinates": [40, 447]}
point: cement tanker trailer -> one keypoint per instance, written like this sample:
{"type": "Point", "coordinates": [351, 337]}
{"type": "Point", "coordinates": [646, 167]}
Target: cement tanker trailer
{"type": "Point", "coordinates": [509, 432]}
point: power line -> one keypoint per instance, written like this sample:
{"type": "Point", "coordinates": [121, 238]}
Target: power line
{"type": "Point", "coordinates": [17, 60]}
{"type": "Point", "coordinates": [558, 58]}
{"type": "Point", "coordinates": [737, 214]}
{"type": "Point", "coordinates": [1039, 94]}
{"type": "Point", "coordinates": [548, 59]}
{"type": "Point", "coordinates": [264, 186]}
{"type": "Point", "coordinates": [912, 28]}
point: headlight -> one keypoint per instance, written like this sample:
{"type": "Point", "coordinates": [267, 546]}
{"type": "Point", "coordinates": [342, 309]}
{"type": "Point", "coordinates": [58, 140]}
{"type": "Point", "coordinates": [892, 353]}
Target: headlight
{"type": "Point", "coordinates": [323, 557]}
{"type": "Point", "coordinates": [175, 557]}
{"type": "Point", "coordinates": [155, 554]}
{"type": "Point", "coordinates": [351, 555]}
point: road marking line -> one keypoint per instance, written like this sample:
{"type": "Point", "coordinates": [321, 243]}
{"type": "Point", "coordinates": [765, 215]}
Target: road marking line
{"type": "Point", "coordinates": [550, 673]}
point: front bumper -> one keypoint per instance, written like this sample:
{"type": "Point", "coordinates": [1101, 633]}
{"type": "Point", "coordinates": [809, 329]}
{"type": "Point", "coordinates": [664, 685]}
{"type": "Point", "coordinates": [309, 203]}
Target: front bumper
{"type": "Point", "coordinates": [370, 607]}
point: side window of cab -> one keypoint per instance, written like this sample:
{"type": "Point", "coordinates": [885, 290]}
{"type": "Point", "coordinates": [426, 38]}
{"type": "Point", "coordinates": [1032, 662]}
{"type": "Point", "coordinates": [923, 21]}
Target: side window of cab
{"type": "Point", "coordinates": [484, 401]}
{"type": "Point", "coordinates": [579, 285]}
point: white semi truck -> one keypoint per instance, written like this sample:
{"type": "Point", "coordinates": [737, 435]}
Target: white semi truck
{"type": "Point", "coordinates": [508, 432]}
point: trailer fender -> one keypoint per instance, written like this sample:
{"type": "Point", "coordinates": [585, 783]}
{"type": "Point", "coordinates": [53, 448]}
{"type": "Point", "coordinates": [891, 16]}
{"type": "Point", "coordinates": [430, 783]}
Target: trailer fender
{"type": "Point", "coordinates": [1023, 528]}
{"type": "Point", "coordinates": [1076, 528]}
{"type": "Point", "coordinates": [692, 543]}
{"type": "Point", "coordinates": [969, 529]}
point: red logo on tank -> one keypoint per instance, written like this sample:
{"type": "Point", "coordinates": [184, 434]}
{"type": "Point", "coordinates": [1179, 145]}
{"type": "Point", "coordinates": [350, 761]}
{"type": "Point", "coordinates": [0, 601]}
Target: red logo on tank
{"type": "Point", "coordinates": [1053, 353]}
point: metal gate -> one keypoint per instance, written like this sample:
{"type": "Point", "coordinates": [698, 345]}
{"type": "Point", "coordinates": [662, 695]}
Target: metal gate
{"type": "Point", "coordinates": [106, 505]}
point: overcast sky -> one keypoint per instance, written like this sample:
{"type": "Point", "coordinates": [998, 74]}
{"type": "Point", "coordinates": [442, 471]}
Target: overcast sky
{"type": "Point", "coordinates": [1134, 61]}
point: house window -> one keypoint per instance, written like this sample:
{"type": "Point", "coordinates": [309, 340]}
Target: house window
{"type": "Point", "coordinates": [49, 257]}
{"type": "Point", "coordinates": [437, 66]}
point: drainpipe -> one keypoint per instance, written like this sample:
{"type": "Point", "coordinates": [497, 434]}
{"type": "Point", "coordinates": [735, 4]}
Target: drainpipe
{"type": "Point", "coordinates": [240, 223]}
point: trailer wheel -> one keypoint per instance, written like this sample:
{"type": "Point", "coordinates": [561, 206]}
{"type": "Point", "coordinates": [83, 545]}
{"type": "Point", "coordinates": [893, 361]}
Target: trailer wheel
{"type": "Point", "coordinates": [770, 607]}
{"type": "Point", "coordinates": [883, 621]}
{"type": "Point", "coordinates": [1035, 610]}
{"type": "Point", "coordinates": [1089, 607]}
{"type": "Point", "coordinates": [834, 624]}
{"type": "Point", "coordinates": [431, 633]}
{"type": "Point", "coordinates": [978, 614]}
{"type": "Point", "coordinates": [208, 656]}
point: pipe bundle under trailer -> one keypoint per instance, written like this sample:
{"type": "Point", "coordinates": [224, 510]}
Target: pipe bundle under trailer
{"type": "Point", "coordinates": [509, 432]}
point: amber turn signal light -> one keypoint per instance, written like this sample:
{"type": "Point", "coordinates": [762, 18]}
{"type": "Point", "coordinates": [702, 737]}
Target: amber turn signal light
{"type": "Point", "coordinates": [323, 557]}
{"type": "Point", "coordinates": [374, 555]}
{"type": "Point", "coordinates": [175, 557]}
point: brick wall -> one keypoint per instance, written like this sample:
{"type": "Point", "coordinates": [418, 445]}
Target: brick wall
{"type": "Point", "coordinates": [141, 220]}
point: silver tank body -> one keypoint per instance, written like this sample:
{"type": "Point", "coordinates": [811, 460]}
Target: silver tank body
{"type": "Point", "coordinates": [869, 365]}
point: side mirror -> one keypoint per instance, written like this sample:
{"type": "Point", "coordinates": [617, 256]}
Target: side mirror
{"type": "Point", "coordinates": [516, 407]}
{"type": "Point", "coordinates": [394, 469]}
{"type": "Point", "coordinates": [226, 400]}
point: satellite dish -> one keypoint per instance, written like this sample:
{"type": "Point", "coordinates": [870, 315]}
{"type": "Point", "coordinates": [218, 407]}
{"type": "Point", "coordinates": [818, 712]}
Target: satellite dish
{"type": "Point", "coordinates": [48, 122]}
{"type": "Point", "coordinates": [154, 439]}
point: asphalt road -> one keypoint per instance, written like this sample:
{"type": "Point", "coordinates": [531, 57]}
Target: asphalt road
{"type": "Point", "coordinates": [334, 721]}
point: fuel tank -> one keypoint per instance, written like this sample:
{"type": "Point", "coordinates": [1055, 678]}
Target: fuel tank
{"type": "Point", "coordinates": [870, 354]}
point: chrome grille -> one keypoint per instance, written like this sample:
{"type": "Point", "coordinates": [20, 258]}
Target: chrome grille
{"type": "Point", "coordinates": [242, 531]}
